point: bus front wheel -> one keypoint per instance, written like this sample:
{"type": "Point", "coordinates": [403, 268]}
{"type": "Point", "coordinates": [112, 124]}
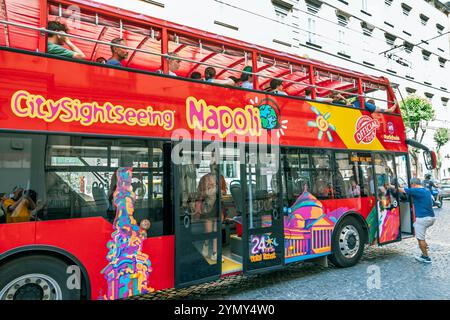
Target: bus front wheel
{"type": "Point", "coordinates": [348, 243]}
{"type": "Point", "coordinates": [36, 277]}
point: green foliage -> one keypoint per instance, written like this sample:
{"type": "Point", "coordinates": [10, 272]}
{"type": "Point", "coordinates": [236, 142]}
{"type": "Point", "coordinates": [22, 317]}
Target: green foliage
{"type": "Point", "coordinates": [416, 110]}
{"type": "Point", "coordinates": [441, 137]}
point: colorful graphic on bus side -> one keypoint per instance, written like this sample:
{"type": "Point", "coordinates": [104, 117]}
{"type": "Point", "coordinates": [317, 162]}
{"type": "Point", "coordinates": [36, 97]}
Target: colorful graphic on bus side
{"type": "Point", "coordinates": [322, 123]}
{"type": "Point", "coordinates": [263, 247]}
{"type": "Point", "coordinates": [129, 268]}
{"type": "Point", "coordinates": [307, 229]}
{"type": "Point", "coordinates": [366, 129]}
{"type": "Point", "coordinates": [388, 219]}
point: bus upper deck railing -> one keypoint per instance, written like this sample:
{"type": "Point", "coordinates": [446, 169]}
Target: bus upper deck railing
{"type": "Point", "coordinates": [168, 56]}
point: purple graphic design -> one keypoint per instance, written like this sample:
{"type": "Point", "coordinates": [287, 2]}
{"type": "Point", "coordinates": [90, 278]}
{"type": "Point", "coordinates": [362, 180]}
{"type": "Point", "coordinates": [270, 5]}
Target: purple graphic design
{"type": "Point", "coordinates": [129, 268]}
{"type": "Point", "coordinates": [307, 230]}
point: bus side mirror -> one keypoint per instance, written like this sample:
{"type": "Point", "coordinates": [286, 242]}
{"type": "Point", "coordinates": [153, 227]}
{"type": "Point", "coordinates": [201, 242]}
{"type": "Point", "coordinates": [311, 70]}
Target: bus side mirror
{"type": "Point", "coordinates": [430, 159]}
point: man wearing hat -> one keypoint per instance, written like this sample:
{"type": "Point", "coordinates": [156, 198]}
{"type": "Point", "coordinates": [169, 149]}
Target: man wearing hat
{"type": "Point", "coordinates": [247, 78]}
{"type": "Point", "coordinates": [423, 208]}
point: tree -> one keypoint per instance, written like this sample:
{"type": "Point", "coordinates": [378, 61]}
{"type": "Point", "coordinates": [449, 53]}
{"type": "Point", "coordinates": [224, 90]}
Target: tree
{"type": "Point", "coordinates": [416, 112]}
{"type": "Point", "coordinates": [441, 137]}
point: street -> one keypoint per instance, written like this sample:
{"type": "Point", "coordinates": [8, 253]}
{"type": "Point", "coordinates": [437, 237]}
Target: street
{"type": "Point", "coordinates": [388, 272]}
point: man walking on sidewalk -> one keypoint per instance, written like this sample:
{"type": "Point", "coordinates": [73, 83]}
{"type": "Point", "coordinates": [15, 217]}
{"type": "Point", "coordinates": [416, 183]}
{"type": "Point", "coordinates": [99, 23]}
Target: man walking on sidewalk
{"type": "Point", "coordinates": [423, 208]}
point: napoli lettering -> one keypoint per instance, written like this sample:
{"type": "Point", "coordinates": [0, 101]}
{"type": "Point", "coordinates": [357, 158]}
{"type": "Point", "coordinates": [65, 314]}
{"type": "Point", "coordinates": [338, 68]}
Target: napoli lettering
{"type": "Point", "coordinates": [222, 120]}
{"type": "Point", "coordinates": [27, 105]}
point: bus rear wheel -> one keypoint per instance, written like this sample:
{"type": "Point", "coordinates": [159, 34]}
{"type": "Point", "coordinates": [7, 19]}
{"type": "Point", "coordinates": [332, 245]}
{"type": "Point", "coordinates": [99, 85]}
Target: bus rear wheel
{"type": "Point", "coordinates": [348, 243]}
{"type": "Point", "coordinates": [36, 277]}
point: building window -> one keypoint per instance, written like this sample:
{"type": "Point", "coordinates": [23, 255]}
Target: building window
{"type": "Point", "coordinates": [367, 28]}
{"type": "Point", "coordinates": [312, 30]}
{"type": "Point", "coordinates": [426, 55]}
{"type": "Point", "coordinates": [423, 19]}
{"type": "Point", "coordinates": [440, 28]}
{"type": "Point", "coordinates": [429, 95]}
{"type": "Point", "coordinates": [342, 19]}
{"type": "Point", "coordinates": [410, 90]}
{"type": "Point", "coordinates": [408, 46]}
{"type": "Point", "coordinates": [313, 6]}
{"type": "Point", "coordinates": [282, 9]}
{"type": "Point", "coordinates": [388, 2]}
{"type": "Point", "coordinates": [364, 5]}
{"type": "Point", "coordinates": [442, 62]}
{"type": "Point", "coordinates": [406, 9]}
{"type": "Point", "coordinates": [390, 39]}
{"type": "Point", "coordinates": [341, 40]}
{"type": "Point", "coordinates": [444, 101]}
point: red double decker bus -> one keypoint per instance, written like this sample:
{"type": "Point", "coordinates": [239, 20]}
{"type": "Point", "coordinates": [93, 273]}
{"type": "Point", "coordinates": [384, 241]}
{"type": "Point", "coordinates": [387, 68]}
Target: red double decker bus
{"type": "Point", "coordinates": [119, 181]}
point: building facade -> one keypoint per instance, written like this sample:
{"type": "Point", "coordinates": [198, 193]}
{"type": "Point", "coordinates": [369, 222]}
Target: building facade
{"type": "Point", "coordinates": [406, 41]}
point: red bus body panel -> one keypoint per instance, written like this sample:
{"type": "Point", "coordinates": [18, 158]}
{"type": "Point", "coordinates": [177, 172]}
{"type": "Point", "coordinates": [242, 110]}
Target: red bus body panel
{"type": "Point", "coordinates": [54, 80]}
{"type": "Point", "coordinates": [27, 78]}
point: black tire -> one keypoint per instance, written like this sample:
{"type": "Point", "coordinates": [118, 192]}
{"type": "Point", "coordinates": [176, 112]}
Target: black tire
{"type": "Point", "coordinates": [352, 227]}
{"type": "Point", "coordinates": [49, 282]}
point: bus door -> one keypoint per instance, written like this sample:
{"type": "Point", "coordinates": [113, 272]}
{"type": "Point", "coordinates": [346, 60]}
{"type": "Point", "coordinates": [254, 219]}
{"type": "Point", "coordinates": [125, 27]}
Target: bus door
{"type": "Point", "coordinates": [263, 244]}
{"type": "Point", "coordinates": [387, 199]}
{"type": "Point", "coordinates": [197, 223]}
{"type": "Point", "coordinates": [406, 215]}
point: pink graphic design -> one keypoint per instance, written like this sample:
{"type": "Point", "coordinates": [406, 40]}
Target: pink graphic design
{"type": "Point", "coordinates": [307, 229]}
{"type": "Point", "coordinates": [366, 129]}
{"type": "Point", "coordinates": [129, 268]}
{"type": "Point", "coordinates": [389, 220]}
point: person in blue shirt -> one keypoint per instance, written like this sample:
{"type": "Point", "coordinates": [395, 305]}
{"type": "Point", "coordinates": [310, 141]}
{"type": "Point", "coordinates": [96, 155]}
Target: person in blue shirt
{"type": "Point", "coordinates": [247, 78]}
{"type": "Point", "coordinates": [423, 208]}
{"type": "Point", "coordinates": [118, 54]}
{"type": "Point", "coordinates": [210, 76]}
{"type": "Point", "coordinates": [370, 106]}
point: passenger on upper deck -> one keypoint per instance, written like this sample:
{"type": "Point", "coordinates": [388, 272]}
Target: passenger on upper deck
{"type": "Point", "coordinates": [276, 86]}
{"type": "Point", "coordinates": [237, 81]}
{"type": "Point", "coordinates": [56, 42]}
{"type": "Point", "coordinates": [210, 76]}
{"type": "Point", "coordinates": [174, 63]}
{"type": "Point", "coordinates": [339, 99]}
{"type": "Point", "coordinates": [370, 106]}
{"type": "Point", "coordinates": [196, 75]}
{"type": "Point", "coordinates": [247, 78]}
{"type": "Point", "coordinates": [308, 93]}
{"type": "Point", "coordinates": [101, 60]}
{"type": "Point", "coordinates": [118, 54]}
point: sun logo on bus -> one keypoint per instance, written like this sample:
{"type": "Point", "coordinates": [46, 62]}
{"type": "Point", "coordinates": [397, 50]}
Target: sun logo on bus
{"type": "Point", "coordinates": [270, 115]}
{"type": "Point", "coordinates": [322, 123]}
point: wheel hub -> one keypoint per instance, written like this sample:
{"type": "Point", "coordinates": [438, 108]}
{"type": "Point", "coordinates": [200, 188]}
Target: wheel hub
{"type": "Point", "coordinates": [32, 287]}
{"type": "Point", "coordinates": [349, 241]}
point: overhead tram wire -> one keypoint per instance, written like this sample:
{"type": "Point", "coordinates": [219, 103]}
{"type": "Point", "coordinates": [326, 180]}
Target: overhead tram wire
{"type": "Point", "coordinates": [167, 56]}
{"type": "Point", "coordinates": [416, 45]}
{"type": "Point", "coordinates": [382, 40]}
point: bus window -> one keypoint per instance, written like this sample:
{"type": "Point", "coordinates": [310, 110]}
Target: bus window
{"type": "Point", "coordinates": [262, 171]}
{"type": "Point", "coordinates": [81, 181]}
{"type": "Point", "coordinates": [346, 180]}
{"type": "Point", "coordinates": [294, 179]}
{"type": "Point", "coordinates": [353, 177]}
{"type": "Point", "coordinates": [310, 169]}
{"type": "Point", "coordinates": [18, 191]}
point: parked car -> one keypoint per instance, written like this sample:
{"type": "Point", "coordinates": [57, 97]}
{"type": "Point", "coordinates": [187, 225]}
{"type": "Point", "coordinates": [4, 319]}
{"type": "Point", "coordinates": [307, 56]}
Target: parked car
{"type": "Point", "coordinates": [445, 187]}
